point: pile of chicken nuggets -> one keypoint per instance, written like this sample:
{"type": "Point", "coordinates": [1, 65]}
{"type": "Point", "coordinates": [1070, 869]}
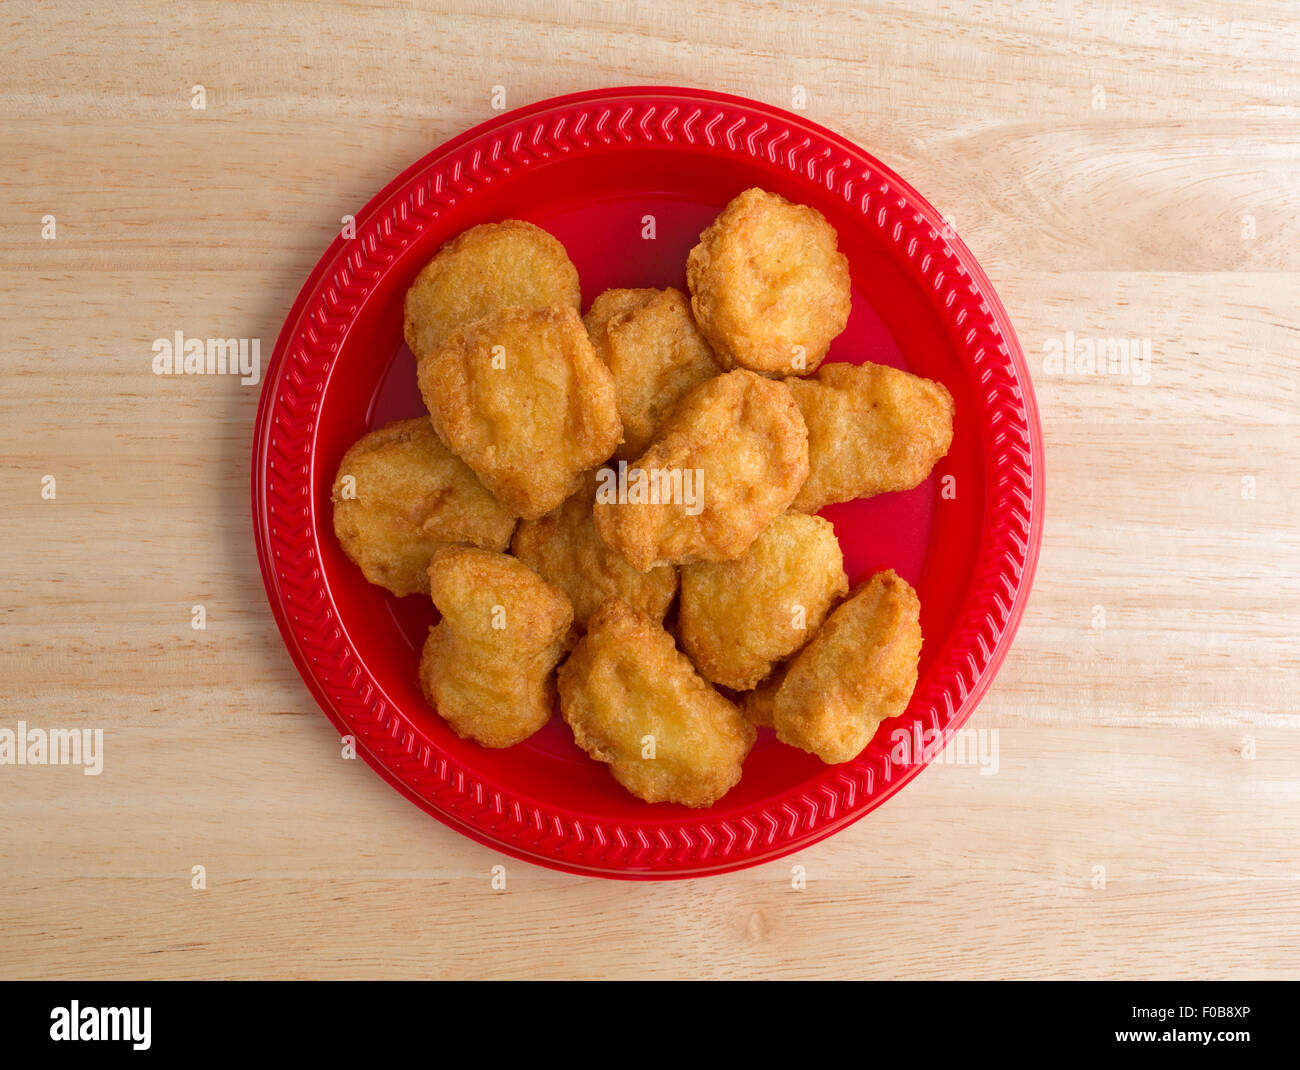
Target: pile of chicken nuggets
{"type": "Point", "coordinates": [617, 510]}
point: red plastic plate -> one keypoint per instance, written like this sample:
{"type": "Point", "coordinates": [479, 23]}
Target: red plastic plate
{"type": "Point", "coordinates": [590, 168]}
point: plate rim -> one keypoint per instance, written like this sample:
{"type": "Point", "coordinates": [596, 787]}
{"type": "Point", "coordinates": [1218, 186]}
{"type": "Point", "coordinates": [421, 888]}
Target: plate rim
{"type": "Point", "coordinates": [651, 852]}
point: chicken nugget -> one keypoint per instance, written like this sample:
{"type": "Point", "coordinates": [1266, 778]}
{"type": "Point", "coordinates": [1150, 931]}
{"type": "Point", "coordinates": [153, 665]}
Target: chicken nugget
{"type": "Point", "coordinates": [487, 664]}
{"type": "Point", "coordinates": [486, 268]}
{"type": "Point", "coordinates": [651, 344]}
{"type": "Point", "coordinates": [634, 701]}
{"type": "Point", "coordinates": [728, 461]}
{"type": "Point", "coordinates": [400, 494]}
{"type": "Point", "coordinates": [769, 286]}
{"type": "Point", "coordinates": [871, 429]}
{"type": "Point", "coordinates": [521, 397]}
{"type": "Point", "coordinates": [611, 304]}
{"type": "Point", "coordinates": [858, 670]}
{"type": "Point", "coordinates": [756, 705]}
{"type": "Point", "coordinates": [564, 548]}
{"type": "Point", "coordinates": [739, 618]}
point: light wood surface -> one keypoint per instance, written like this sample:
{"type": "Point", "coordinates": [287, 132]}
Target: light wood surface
{"type": "Point", "coordinates": [1121, 746]}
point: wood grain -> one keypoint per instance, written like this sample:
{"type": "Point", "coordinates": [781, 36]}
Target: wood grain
{"type": "Point", "coordinates": [1168, 215]}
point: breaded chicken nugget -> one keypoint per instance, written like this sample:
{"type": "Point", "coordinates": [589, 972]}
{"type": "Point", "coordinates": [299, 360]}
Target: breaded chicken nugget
{"type": "Point", "coordinates": [769, 286]}
{"type": "Point", "coordinates": [651, 344]}
{"type": "Point", "coordinates": [484, 269]}
{"type": "Point", "coordinates": [871, 429]}
{"type": "Point", "coordinates": [739, 618]}
{"type": "Point", "coordinates": [400, 494]}
{"type": "Point", "coordinates": [859, 669]}
{"type": "Point", "coordinates": [487, 665]}
{"type": "Point", "coordinates": [756, 705]}
{"type": "Point", "coordinates": [633, 700]}
{"type": "Point", "coordinates": [728, 461]}
{"type": "Point", "coordinates": [564, 549]}
{"type": "Point", "coordinates": [521, 397]}
{"type": "Point", "coordinates": [611, 304]}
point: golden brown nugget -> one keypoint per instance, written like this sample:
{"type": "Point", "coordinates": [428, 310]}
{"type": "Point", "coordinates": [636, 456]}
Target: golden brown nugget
{"type": "Point", "coordinates": [871, 429]}
{"type": "Point", "coordinates": [651, 344]}
{"type": "Point", "coordinates": [521, 397]}
{"type": "Point", "coordinates": [756, 705]}
{"type": "Point", "coordinates": [739, 618]}
{"type": "Point", "coordinates": [728, 461]}
{"type": "Point", "coordinates": [400, 494]}
{"type": "Point", "coordinates": [484, 269]}
{"type": "Point", "coordinates": [634, 701]}
{"type": "Point", "coordinates": [858, 670]}
{"type": "Point", "coordinates": [487, 665]}
{"type": "Point", "coordinates": [564, 549]}
{"type": "Point", "coordinates": [611, 304]}
{"type": "Point", "coordinates": [769, 286]}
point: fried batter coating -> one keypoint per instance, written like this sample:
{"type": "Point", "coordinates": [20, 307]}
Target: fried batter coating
{"type": "Point", "coordinates": [487, 665]}
{"type": "Point", "coordinates": [564, 548]}
{"type": "Point", "coordinates": [634, 701]}
{"type": "Point", "coordinates": [769, 286]}
{"type": "Point", "coordinates": [737, 447]}
{"type": "Point", "coordinates": [484, 269]}
{"type": "Point", "coordinates": [651, 344]}
{"type": "Point", "coordinates": [871, 429]}
{"type": "Point", "coordinates": [859, 669]}
{"type": "Point", "coordinates": [611, 304]}
{"type": "Point", "coordinates": [739, 618]}
{"type": "Point", "coordinates": [400, 494]}
{"type": "Point", "coordinates": [521, 397]}
{"type": "Point", "coordinates": [756, 705]}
